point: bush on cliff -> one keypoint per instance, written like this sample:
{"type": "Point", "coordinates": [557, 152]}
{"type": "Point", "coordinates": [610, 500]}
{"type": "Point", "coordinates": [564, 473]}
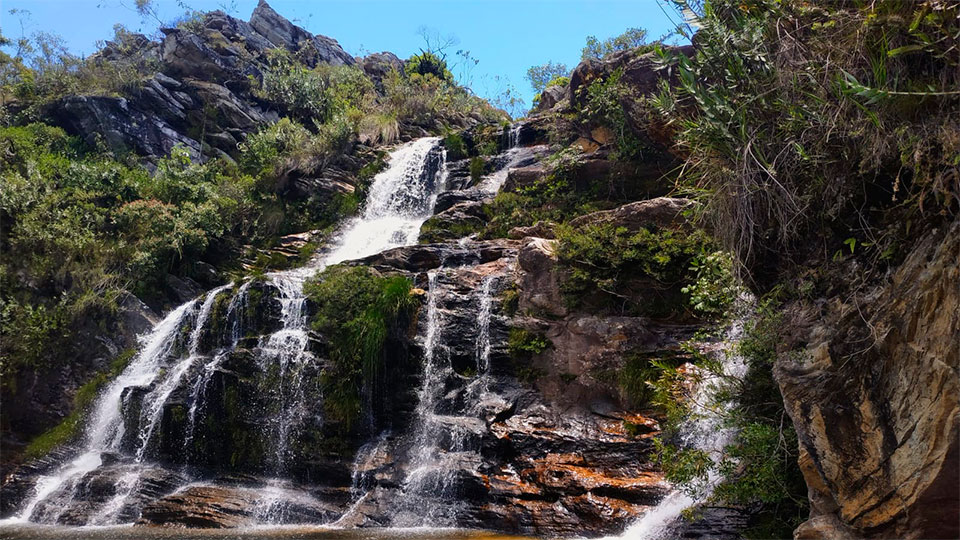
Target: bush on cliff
{"type": "Point", "coordinates": [806, 126]}
{"type": "Point", "coordinates": [356, 311]}
{"type": "Point", "coordinates": [605, 263]}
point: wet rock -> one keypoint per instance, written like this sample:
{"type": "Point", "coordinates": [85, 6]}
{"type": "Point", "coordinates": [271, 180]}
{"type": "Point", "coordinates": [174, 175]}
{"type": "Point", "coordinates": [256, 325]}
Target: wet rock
{"type": "Point", "coordinates": [449, 199]}
{"type": "Point", "coordinates": [204, 507]}
{"type": "Point", "coordinates": [714, 523]}
{"type": "Point", "coordinates": [458, 221]}
{"type": "Point", "coordinates": [430, 256]}
{"type": "Point", "coordinates": [183, 289]}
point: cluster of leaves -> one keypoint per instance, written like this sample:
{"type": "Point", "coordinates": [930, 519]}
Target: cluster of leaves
{"type": "Point", "coordinates": [603, 106]}
{"type": "Point", "coordinates": [631, 38]}
{"type": "Point", "coordinates": [341, 101]}
{"type": "Point", "coordinates": [356, 310]}
{"type": "Point", "coordinates": [714, 288]}
{"type": "Point", "coordinates": [546, 75]}
{"type": "Point", "coordinates": [759, 467]}
{"type": "Point", "coordinates": [557, 197]}
{"type": "Point", "coordinates": [606, 263]}
{"type": "Point", "coordinates": [427, 64]}
{"type": "Point", "coordinates": [523, 344]}
{"type": "Point", "coordinates": [806, 125]}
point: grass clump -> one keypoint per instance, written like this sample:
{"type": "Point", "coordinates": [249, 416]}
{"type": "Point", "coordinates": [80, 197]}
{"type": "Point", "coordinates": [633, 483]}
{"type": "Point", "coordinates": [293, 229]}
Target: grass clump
{"type": "Point", "coordinates": [808, 125]}
{"type": "Point", "coordinates": [524, 344]}
{"type": "Point", "coordinates": [356, 310]}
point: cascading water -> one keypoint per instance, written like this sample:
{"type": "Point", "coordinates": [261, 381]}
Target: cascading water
{"type": "Point", "coordinates": [105, 428]}
{"type": "Point", "coordinates": [401, 198]}
{"type": "Point", "coordinates": [704, 430]}
{"type": "Point", "coordinates": [514, 155]}
{"type": "Point", "coordinates": [441, 440]}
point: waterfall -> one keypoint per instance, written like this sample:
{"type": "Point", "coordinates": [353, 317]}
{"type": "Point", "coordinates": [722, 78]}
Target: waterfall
{"type": "Point", "coordinates": [400, 199]}
{"type": "Point", "coordinates": [514, 155]}
{"type": "Point", "coordinates": [703, 430]}
{"type": "Point", "coordinates": [198, 394]}
{"type": "Point", "coordinates": [441, 441]}
{"type": "Point", "coordinates": [104, 429]}
{"type": "Point", "coordinates": [424, 438]}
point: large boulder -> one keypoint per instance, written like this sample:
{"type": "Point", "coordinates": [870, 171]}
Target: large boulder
{"type": "Point", "coordinates": [379, 65]}
{"type": "Point", "coordinates": [640, 71]}
{"type": "Point", "coordinates": [283, 33]}
{"type": "Point", "coordinates": [662, 212]}
{"type": "Point", "coordinates": [875, 400]}
{"type": "Point", "coordinates": [121, 126]}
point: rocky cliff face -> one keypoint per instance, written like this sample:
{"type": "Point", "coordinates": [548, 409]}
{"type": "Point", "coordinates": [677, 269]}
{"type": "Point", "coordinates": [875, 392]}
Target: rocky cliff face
{"type": "Point", "coordinates": [874, 398]}
{"type": "Point", "coordinates": [201, 98]}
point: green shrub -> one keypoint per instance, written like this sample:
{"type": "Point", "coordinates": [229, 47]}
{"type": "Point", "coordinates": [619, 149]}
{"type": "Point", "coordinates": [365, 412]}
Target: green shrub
{"type": "Point", "coordinates": [605, 262]}
{"type": "Point", "coordinates": [546, 75]}
{"type": "Point", "coordinates": [639, 373]}
{"type": "Point", "coordinates": [427, 64]}
{"type": "Point", "coordinates": [356, 309]}
{"type": "Point", "coordinates": [631, 38]}
{"type": "Point", "coordinates": [714, 288]}
{"type": "Point", "coordinates": [456, 147]}
{"type": "Point", "coordinates": [603, 106]}
{"type": "Point", "coordinates": [524, 343]}
{"type": "Point", "coordinates": [477, 167]}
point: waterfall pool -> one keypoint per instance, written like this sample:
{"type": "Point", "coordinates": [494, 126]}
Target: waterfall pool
{"type": "Point", "coordinates": [32, 531]}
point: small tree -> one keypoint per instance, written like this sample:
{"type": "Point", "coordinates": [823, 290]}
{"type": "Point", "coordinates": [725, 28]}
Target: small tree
{"type": "Point", "coordinates": [541, 76]}
{"type": "Point", "coordinates": [629, 39]}
{"type": "Point", "coordinates": [428, 63]}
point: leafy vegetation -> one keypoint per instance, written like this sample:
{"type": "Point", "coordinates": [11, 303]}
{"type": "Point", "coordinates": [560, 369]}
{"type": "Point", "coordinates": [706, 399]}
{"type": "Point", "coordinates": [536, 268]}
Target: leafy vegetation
{"type": "Point", "coordinates": [557, 197]}
{"type": "Point", "coordinates": [356, 310]}
{"type": "Point", "coordinates": [602, 106]}
{"type": "Point", "coordinates": [807, 125]}
{"type": "Point", "coordinates": [543, 76]}
{"type": "Point", "coordinates": [427, 64]}
{"type": "Point", "coordinates": [41, 70]}
{"type": "Point", "coordinates": [606, 263]}
{"type": "Point", "coordinates": [631, 38]}
{"type": "Point", "coordinates": [523, 344]}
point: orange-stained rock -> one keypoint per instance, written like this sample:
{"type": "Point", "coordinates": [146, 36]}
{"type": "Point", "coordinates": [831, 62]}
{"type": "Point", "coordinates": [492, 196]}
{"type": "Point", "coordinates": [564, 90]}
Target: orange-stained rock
{"type": "Point", "coordinates": [876, 404]}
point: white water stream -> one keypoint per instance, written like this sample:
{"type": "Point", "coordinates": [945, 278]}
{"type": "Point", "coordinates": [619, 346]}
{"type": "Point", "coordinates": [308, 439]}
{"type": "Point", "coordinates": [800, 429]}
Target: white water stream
{"type": "Point", "coordinates": [703, 430]}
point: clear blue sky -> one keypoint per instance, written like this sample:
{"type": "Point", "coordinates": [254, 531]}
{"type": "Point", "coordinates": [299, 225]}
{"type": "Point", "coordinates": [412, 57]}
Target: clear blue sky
{"type": "Point", "coordinates": [507, 36]}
